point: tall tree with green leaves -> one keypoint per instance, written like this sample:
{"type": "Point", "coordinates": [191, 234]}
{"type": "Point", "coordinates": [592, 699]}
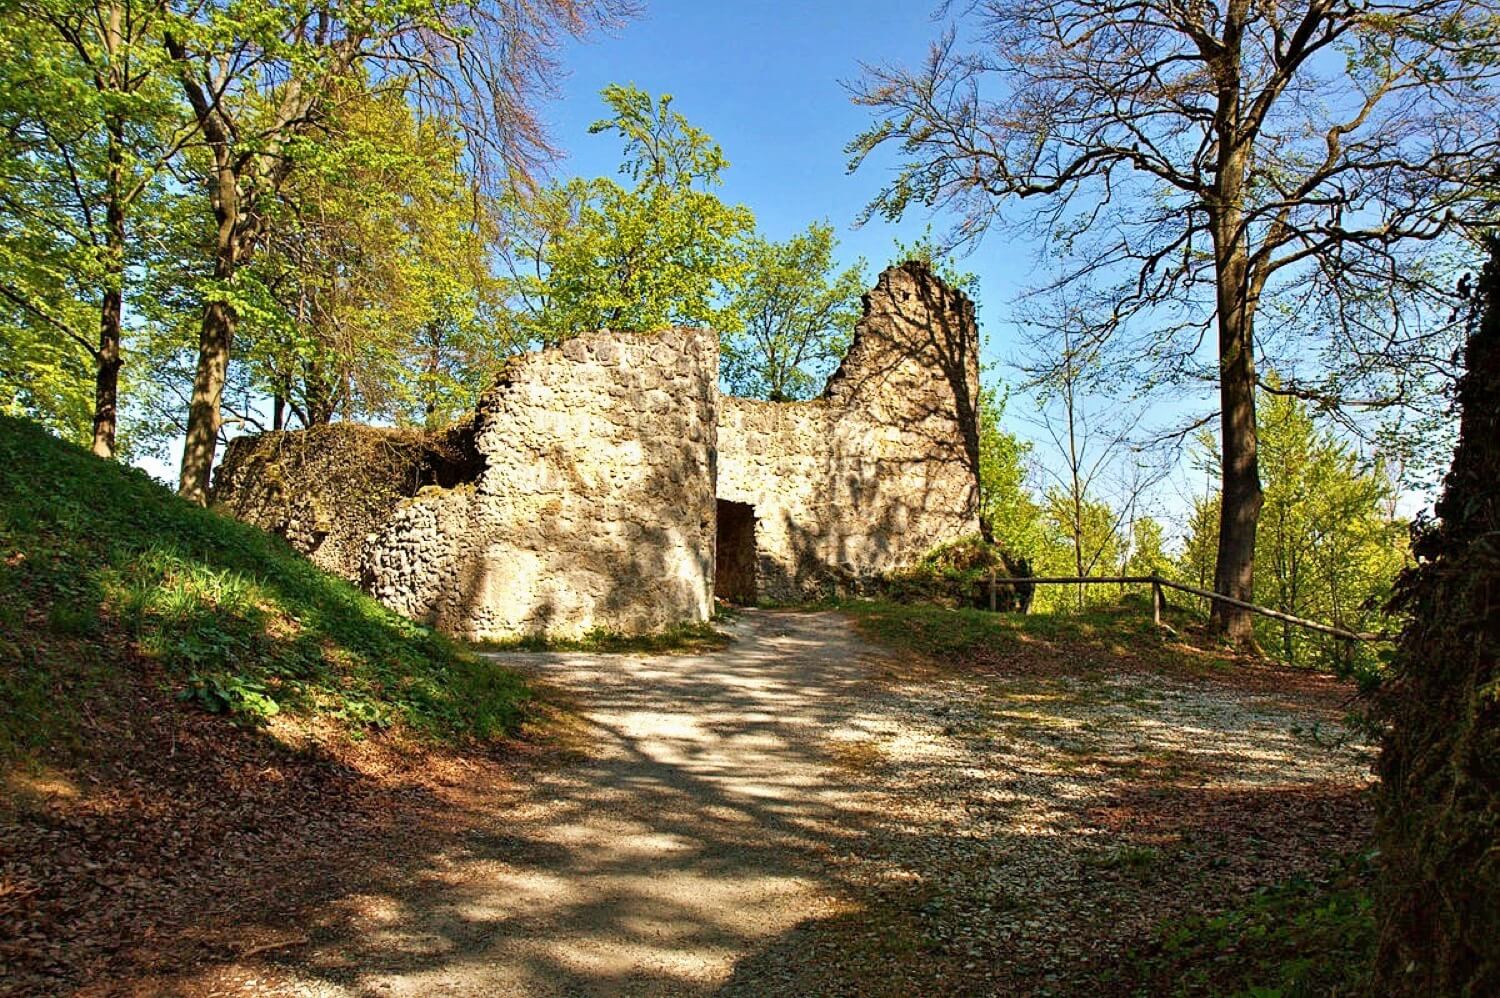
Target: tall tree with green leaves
{"type": "Point", "coordinates": [1201, 545]}
{"type": "Point", "coordinates": [90, 124]}
{"type": "Point", "coordinates": [1148, 553]}
{"type": "Point", "coordinates": [1329, 547]}
{"type": "Point", "coordinates": [376, 274]}
{"type": "Point", "coordinates": [1008, 511]}
{"type": "Point", "coordinates": [1200, 168]}
{"type": "Point", "coordinates": [660, 251]}
{"type": "Point", "coordinates": [259, 75]}
{"type": "Point", "coordinates": [796, 313]}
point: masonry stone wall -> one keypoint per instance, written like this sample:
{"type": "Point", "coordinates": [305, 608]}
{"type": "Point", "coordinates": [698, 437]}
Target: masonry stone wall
{"type": "Point", "coordinates": [880, 469]}
{"type": "Point", "coordinates": [598, 481]}
{"type": "Point", "coordinates": [595, 508]}
{"type": "Point", "coordinates": [328, 489]}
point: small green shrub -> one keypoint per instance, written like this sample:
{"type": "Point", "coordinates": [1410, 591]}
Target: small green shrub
{"type": "Point", "coordinates": [957, 574]}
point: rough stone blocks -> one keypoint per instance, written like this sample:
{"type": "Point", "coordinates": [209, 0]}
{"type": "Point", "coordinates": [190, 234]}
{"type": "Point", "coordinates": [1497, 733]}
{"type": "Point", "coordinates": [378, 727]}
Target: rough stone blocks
{"type": "Point", "coordinates": [585, 492]}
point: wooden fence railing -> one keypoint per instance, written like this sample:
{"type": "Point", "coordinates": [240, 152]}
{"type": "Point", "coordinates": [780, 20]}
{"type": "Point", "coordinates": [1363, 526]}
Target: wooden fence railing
{"type": "Point", "coordinates": [1158, 600]}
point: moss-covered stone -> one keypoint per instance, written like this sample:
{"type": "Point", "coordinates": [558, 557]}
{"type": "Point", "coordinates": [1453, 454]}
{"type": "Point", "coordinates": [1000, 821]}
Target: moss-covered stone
{"type": "Point", "coordinates": [1439, 818]}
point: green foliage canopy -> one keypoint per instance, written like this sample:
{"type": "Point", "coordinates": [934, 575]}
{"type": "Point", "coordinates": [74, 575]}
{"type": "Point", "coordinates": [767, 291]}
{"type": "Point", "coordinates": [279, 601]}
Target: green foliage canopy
{"type": "Point", "coordinates": [795, 315]}
{"type": "Point", "coordinates": [598, 254]}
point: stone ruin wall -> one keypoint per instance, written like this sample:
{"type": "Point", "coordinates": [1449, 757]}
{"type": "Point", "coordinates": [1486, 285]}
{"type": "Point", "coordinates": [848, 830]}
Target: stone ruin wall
{"type": "Point", "coordinates": [328, 489]}
{"type": "Point", "coordinates": [595, 506]}
{"type": "Point", "coordinates": [583, 492]}
{"type": "Point", "coordinates": [879, 470]}
{"type": "Point", "coordinates": [579, 497]}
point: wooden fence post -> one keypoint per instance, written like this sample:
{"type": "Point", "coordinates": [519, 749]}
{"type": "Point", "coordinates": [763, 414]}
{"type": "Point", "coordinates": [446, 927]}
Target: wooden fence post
{"type": "Point", "coordinates": [992, 590]}
{"type": "Point", "coordinates": [1157, 599]}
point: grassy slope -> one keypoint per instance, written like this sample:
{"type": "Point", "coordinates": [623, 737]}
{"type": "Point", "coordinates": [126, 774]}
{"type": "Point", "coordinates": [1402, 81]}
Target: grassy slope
{"type": "Point", "coordinates": [1107, 635]}
{"type": "Point", "coordinates": [107, 579]}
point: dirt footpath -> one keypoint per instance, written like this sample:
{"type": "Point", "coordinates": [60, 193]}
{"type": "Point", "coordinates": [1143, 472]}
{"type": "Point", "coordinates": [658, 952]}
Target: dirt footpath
{"type": "Point", "coordinates": [803, 814]}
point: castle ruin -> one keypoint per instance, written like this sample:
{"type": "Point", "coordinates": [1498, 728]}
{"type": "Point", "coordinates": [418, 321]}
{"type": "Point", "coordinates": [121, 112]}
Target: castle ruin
{"type": "Point", "coordinates": [607, 484]}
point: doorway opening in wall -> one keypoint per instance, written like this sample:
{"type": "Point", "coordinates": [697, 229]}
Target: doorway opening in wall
{"type": "Point", "coordinates": [734, 553]}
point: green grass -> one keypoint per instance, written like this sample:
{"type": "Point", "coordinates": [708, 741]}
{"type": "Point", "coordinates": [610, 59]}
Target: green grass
{"type": "Point", "coordinates": [681, 639]}
{"type": "Point", "coordinates": [1307, 936]}
{"type": "Point", "coordinates": [106, 577]}
{"type": "Point", "coordinates": [952, 635]}
{"type": "Point", "coordinates": [1136, 859]}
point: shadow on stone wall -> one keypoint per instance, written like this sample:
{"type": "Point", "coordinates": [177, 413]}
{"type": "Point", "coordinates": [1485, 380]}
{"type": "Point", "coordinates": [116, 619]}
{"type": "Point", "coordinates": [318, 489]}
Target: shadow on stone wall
{"type": "Point", "coordinates": [595, 509]}
{"type": "Point", "coordinates": [880, 469]}
{"type": "Point", "coordinates": [582, 493]}
{"type": "Point", "coordinates": [641, 558]}
{"type": "Point", "coordinates": [327, 488]}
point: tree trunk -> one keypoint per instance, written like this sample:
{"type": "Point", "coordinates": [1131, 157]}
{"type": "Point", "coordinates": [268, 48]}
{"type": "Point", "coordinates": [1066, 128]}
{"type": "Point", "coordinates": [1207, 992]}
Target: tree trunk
{"type": "Point", "coordinates": [107, 359]}
{"type": "Point", "coordinates": [215, 339]}
{"type": "Point", "coordinates": [214, 342]}
{"type": "Point", "coordinates": [1239, 508]}
{"type": "Point", "coordinates": [1076, 487]}
{"type": "Point", "coordinates": [1240, 494]}
{"type": "Point", "coordinates": [434, 367]}
{"type": "Point", "coordinates": [1438, 801]}
{"type": "Point", "coordinates": [107, 365]}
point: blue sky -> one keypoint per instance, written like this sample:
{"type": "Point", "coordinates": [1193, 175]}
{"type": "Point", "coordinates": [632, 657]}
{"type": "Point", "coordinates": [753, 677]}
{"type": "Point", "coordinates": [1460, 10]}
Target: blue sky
{"type": "Point", "coordinates": [768, 82]}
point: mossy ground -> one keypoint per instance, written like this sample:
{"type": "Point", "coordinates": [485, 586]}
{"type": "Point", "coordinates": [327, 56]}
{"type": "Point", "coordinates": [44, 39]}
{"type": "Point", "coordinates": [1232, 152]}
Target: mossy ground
{"type": "Point", "coordinates": [1306, 936]}
{"type": "Point", "coordinates": [1123, 629]}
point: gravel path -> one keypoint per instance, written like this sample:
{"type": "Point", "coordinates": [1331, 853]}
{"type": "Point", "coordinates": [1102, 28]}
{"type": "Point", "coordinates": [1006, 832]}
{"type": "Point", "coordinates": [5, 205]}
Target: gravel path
{"type": "Point", "coordinates": [802, 813]}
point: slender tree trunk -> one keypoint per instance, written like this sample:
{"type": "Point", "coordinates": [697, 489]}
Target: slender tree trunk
{"type": "Point", "coordinates": [1076, 489]}
{"type": "Point", "coordinates": [434, 367]}
{"type": "Point", "coordinates": [215, 339]}
{"type": "Point", "coordinates": [107, 359]}
{"type": "Point", "coordinates": [1241, 497]}
{"type": "Point", "coordinates": [107, 374]}
{"type": "Point", "coordinates": [214, 342]}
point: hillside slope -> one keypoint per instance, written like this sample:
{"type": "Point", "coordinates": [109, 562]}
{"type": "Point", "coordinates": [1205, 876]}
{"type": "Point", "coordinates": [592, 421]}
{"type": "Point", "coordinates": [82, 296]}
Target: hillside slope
{"type": "Point", "coordinates": [201, 734]}
{"type": "Point", "coordinates": [108, 576]}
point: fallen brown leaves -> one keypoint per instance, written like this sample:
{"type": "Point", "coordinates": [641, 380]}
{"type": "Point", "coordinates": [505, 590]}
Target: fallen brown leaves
{"type": "Point", "coordinates": [1056, 802]}
{"type": "Point", "coordinates": [173, 842]}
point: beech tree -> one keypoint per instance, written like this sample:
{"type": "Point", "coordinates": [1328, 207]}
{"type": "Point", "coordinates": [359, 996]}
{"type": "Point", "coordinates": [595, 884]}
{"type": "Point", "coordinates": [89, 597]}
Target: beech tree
{"type": "Point", "coordinates": [1202, 166]}
{"type": "Point", "coordinates": [662, 250]}
{"type": "Point", "coordinates": [375, 272]}
{"type": "Point", "coordinates": [1330, 547]}
{"type": "Point", "coordinates": [90, 125]}
{"type": "Point", "coordinates": [259, 74]}
{"type": "Point", "coordinates": [1008, 512]}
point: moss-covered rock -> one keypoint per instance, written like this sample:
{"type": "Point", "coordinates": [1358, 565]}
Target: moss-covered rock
{"type": "Point", "coordinates": [1439, 819]}
{"type": "Point", "coordinates": [328, 488]}
{"type": "Point", "coordinates": [958, 574]}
